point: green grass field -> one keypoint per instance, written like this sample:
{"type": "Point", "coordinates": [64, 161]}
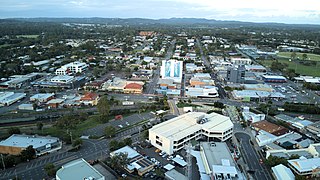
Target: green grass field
{"type": "Point", "coordinates": [310, 56]}
{"type": "Point", "coordinates": [28, 36]}
{"type": "Point", "coordinates": [301, 69]}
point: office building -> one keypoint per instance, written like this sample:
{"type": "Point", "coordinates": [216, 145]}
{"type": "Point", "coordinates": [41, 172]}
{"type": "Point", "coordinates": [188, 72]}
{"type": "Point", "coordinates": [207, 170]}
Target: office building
{"type": "Point", "coordinates": [236, 74]}
{"type": "Point", "coordinates": [172, 69]}
{"type": "Point", "coordinates": [172, 135]}
{"type": "Point", "coordinates": [74, 67]}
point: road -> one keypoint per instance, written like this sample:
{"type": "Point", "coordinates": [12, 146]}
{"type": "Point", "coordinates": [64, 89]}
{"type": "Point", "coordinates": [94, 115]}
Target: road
{"type": "Point", "coordinates": [251, 157]}
{"type": "Point", "coordinates": [206, 63]}
{"type": "Point", "coordinates": [173, 108]}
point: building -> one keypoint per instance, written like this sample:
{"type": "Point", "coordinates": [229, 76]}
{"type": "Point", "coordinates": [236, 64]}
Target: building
{"type": "Point", "coordinates": [312, 151]}
{"type": "Point", "coordinates": [281, 172]}
{"type": "Point", "coordinates": [42, 97]}
{"type": "Point", "coordinates": [133, 88]}
{"type": "Point", "coordinates": [74, 67]}
{"type": "Point", "coordinates": [241, 61]}
{"type": "Point", "coordinates": [191, 68]}
{"type": "Point", "coordinates": [136, 161]}
{"type": "Point", "coordinates": [172, 135]}
{"type": "Point", "coordinates": [8, 98]}
{"type": "Point", "coordinates": [172, 69]}
{"type": "Point", "coordinates": [174, 175]}
{"type": "Point", "coordinates": [63, 79]}
{"type": "Point", "coordinates": [78, 169]}
{"type": "Point", "coordinates": [304, 166]}
{"type": "Point", "coordinates": [17, 143]}
{"type": "Point", "coordinates": [28, 107]}
{"type": "Point", "coordinates": [55, 103]}
{"type": "Point", "coordinates": [202, 92]}
{"type": "Point", "coordinates": [253, 95]}
{"type": "Point", "coordinates": [252, 117]}
{"type": "Point", "coordinates": [236, 74]}
{"type": "Point", "coordinates": [215, 161]}
{"type": "Point", "coordinates": [314, 128]}
{"type": "Point", "coordinates": [90, 98]}
{"type": "Point", "coordinates": [258, 87]}
{"type": "Point", "coordinates": [294, 122]}
{"type": "Point", "coordinates": [274, 79]}
{"type": "Point", "coordinates": [255, 68]}
{"type": "Point", "coordinates": [270, 128]}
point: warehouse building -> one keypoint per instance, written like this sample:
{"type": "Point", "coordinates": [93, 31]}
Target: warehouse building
{"type": "Point", "coordinates": [8, 98]}
{"type": "Point", "coordinates": [172, 135]}
{"type": "Point", "coordinates": [274, 79]}
{"type": "Point", "coordinates": [17, 143]}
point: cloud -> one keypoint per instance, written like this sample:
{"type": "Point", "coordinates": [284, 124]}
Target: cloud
{"type": "Point", "coordinates": [244, 10]}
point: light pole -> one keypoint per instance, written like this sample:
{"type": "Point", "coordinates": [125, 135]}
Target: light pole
{"type": "Point", "coordinates": [4, 167]}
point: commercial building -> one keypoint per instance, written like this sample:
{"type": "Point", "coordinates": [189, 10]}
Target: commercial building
{"type": "Point", "coordinates": [55, 103]}
{"type": "Point", "coordinates": [253, 95]}
{"type": "Point", "coordinates": [270, 128]}
{"type": "Point", "coordinates": [294, 122]}
{"type": "Point", "coordinates": [78, 169]}
{"type": "Point", "coordinates": [17, 143]}
{"type": "Point", "coordinates": [174, 175]}
{"type": "Point", "coordinates": [240, 61]}
{"type": "Point", "coordinates": [304, 166]}
{"type": "Point", "coordinates": [136, 160]}
{"type": "Point", "coordinates": [236, 74]}
{"type": "Point", "coordinates": [255, 68]}
{"type": "Point", "coordinates": [252, 117]}
{"type": "Point", "coordinates": [312, 151]}
{"type": "Point", "coordinates": [281, 172]}
{"type": "Point", "coordinates": [42, 97]}
{"type": "Point", "coordinates": [172, 69]}
{"type": "Point", "coordinates": [216, 162]}
{"type": "Point", "coordinates": [314, 128]}
{"type": "Point", "coordinates": [274, 79]}
{"type": "Point", "coordinates": [191, 67]}
{"type": "Point", "coordinates": [205, 92]}
{"type": "Point", "coordinates": [64, 79]}
{"type": "Point", "coordinates": [74, 67]}
{"type": "Point", "coordinates": [172, 135]}
{"type": "Point", "coordinates": [133, 88]}
{"type": "Point", "coordinates": [28, 107]}
{"type": "Point", "coordinates": [258, 87]}
{"type": "Point", "coordinates": [8, 98]}
{"type": "Point", "coordinates": [90, 98]}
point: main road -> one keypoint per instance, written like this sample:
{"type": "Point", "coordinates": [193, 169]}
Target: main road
{"type": "Point", "coordinates": [251, 157]}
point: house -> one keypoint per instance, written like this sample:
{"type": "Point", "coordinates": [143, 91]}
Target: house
{"type": "Point", "coordinates": [90, 98]}
{"type": "Point", "coordinates": [42, 97]}
{"type": "Point", "coordinates": [55, 103]}
{"type": "Point", "coordinates": [133, 88]}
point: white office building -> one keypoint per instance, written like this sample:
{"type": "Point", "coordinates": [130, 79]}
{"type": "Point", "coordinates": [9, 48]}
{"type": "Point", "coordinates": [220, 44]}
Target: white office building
{"type": "Point", "coordinates": [241, 61]}
{"type": "Point", "coordinates": [74, 67]}
{"type": "Point", "coordinates": [172, 69]}
{"type": "Point", "coordinates": [174, 134]}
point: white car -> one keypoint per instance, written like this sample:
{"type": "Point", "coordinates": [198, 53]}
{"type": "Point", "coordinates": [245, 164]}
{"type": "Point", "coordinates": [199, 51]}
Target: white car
{"type": "Point", "coordinates": [120, 126]}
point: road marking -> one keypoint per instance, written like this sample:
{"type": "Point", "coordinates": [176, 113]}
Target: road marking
{"type": "Point", "coordinates": [65, 160]}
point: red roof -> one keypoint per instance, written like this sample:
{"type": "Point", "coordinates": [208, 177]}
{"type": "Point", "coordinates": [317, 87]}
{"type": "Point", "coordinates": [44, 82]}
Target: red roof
{"type": "Point", "coordinates": [89, 96]}
{"type": "Point", "coordinates": [133, 86]}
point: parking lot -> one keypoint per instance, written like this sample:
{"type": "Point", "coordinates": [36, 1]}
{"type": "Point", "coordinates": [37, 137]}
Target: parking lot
{"type": "Point", "coordinates": [126, 121]}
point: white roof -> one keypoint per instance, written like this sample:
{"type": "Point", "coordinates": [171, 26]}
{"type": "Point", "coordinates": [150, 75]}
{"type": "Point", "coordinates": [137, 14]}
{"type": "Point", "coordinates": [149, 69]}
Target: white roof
{"type": "Point", "coordinates": [186, 124]}
{"type": "Point", "coordinates": [169, 167]}
{"type": "Point", "coordinates": [304, 164]}
{"type": "Point", "coordinates": [126, 150]}
{"type": "Point", "coordinates": [282, 172]}
{"type": "Point", "coordinates": [23, 141]}
{"type": "Point", "coordinates": [273, 77]}
{"type": "Point", "coordinates": [217, 169]}
{"type": "Point", "coordinates": [181, 162]}
{"type": "Point", "coordinates": [62, 77]}
{"type": "Point", "coordinates": [78, 169]}
{"type": "Point", "coordinates": [42, 96]}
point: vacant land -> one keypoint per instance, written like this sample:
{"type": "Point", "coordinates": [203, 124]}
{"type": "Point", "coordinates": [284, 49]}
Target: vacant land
{"type": "Point", "coordinates": [28, 36]}
{"type": "Point", "coordinates": [310, 56]}
{"type": "Point", "coordinates": [300, 68]}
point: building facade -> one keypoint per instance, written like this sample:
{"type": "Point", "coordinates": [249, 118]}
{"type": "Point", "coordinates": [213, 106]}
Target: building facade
{"type": "Point", "coordinates": [174, 134]}
{"type": "Point", "coordinates": [236, 75]}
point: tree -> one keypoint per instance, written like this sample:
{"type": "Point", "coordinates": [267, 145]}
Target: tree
{"type": "Point", "coordinates": [77, 143]}
{"type": "Point", "coordinates": [50, 169]}
{"type": "Point", "coordinates": [304, 56]}
{"type": "Point", "coordinates": [109, 131]}
{"type": "Point", "coordinates": [293, 55]}
{"type": "Point", "coordinates": [39, 126]}
{"type": "Point", "coordinates": [113, 145]}
{"type": "Point", "coordinates": [103, 106]}
{"type": "Point", "coordinates": [218, 105]}
{"type": "Point", "coordinates": [14, 130]}
{"type": "Point", "coordinates": [127, 141]}
{"type": "Point", "coordinates": [274, 160]}
{"type": "Point", "coordinates": [119, 160]}
{"type": "Point", "coordinates": [28, 154]}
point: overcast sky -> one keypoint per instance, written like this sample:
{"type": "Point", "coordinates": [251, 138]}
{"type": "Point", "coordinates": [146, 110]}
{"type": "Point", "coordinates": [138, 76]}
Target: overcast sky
{"type": "Point", "coordinates": [287, 11]}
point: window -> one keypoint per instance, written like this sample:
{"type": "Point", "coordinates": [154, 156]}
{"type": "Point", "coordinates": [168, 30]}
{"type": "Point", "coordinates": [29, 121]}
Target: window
{"type": "Point", "coordinates": [159, 143]}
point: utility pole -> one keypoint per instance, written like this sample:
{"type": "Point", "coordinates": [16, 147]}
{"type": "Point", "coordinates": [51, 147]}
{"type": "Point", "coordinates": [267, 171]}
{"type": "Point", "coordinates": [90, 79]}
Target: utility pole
{"type": "Point", "coordinates": [4, 167]}
{"type": "Point", "coordinates": [189, 160]}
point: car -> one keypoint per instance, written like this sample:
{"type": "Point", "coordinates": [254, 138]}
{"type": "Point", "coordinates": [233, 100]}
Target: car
{"type": "Point", "coordinates": [161, 153]}
{"type": "Point", "coordinates": [261, 161]}
{"type": "Point", "coordinates": [164, 155]}
{"type": "Point", "coordinates": [127, 123]}
{"type": "Point", "coordinates": [124, 175]}
{"type": "Point", "coordinates": [153, 159]}
{"type": "Point", "coordinates": [120, 126]}
{"type": "Point", "coordinates": [157, 150]}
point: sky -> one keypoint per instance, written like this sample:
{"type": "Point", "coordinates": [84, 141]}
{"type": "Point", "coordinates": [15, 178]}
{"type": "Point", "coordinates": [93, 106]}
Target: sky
{"type": "Point", "coordinates": [282, 11]}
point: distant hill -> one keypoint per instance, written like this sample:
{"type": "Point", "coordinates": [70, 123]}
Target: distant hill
{"type": "Point", "coordinates": [170, 22]}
